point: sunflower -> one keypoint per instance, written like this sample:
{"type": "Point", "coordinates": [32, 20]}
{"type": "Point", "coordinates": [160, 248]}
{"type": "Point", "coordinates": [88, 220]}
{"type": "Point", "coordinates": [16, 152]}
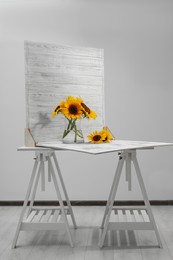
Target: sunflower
{"type": "Point", "coordinates": [71, 108]}
{"type": "Point", "coordinates": [108, 136]}
{"type": "Point", "coordinates": [97, 137]}
{"type": "Point", "coordinates": [56, 111]}
{"type": "Point", "coordinates": [92, 114]}
{"type": "Point", "coordinates": [88, 112]}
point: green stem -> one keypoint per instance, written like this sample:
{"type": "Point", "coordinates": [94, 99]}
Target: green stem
{"type": "Point", "coordinates": [78, 133]}
{"type": "Point", "coordinates": [67, 131]}
{"type": "Point", "coordinates": [75, 137]}
{"type": "Point", "coordinates": [72, 127]}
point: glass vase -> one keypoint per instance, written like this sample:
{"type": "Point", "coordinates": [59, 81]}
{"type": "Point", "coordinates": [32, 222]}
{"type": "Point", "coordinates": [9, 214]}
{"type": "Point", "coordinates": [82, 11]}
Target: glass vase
{"type": "Point", "coordinates": [72, 131]}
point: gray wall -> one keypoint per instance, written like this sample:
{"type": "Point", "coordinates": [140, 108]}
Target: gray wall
{"type": "Point", "coordinates": [137, 37]}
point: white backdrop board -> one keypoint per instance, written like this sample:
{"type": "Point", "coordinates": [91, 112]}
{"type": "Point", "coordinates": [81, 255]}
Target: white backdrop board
{"type": "Point", "coordinates": [54, 72]}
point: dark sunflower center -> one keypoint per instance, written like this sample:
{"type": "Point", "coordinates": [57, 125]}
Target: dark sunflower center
{"type": "Point", "coordinates": [86, 108]}
{"type": "Point", "coordinates": [97, 138]}
{"type": "Point", "coordinates": [73, 109]}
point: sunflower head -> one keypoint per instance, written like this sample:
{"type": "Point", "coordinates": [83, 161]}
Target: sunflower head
{"type": "Point", "coordinates": [72, 108]}
{"type": "Point", "coordinates": [97, 137]}
{"type": "Point", "coordinates": [88, 112]}
{"type": "Point", "coordinates": [56, 111]}
{"type": "Point", "coordinates": [108, 136]}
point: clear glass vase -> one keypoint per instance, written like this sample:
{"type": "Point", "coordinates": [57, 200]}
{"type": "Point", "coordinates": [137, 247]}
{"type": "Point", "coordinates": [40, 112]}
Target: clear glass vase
{"type": "Point", "coordinates": [72, 131]}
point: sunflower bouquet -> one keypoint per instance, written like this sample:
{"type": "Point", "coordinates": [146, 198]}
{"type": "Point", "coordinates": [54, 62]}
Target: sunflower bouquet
{"type": "Point", "coordinates": [73, 109]}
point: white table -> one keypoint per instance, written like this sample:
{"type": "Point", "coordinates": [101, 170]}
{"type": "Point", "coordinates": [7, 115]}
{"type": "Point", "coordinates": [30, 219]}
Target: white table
{"type": "Point", "coordinates": [128, 218]}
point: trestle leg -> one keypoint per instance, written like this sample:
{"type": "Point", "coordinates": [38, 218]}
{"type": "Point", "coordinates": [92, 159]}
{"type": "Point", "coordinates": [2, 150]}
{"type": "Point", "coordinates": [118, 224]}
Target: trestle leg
{"type": "Point", "coordinates": [127, 156]}
{"type": "Point", "coordinates": [37, 174]}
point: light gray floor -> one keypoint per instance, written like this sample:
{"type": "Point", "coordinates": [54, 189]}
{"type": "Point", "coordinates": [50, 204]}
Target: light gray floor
{"type": "Point", "coordinates": [118, 245]}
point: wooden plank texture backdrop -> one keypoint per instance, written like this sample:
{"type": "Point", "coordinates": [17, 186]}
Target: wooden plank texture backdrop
{"type": "Point", "coordinates": [54, 72]}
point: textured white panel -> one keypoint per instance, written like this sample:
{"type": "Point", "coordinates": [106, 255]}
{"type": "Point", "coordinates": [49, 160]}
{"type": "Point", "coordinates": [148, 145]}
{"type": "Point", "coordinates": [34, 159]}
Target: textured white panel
{"type": "Point", "coordinates": [54, 72]}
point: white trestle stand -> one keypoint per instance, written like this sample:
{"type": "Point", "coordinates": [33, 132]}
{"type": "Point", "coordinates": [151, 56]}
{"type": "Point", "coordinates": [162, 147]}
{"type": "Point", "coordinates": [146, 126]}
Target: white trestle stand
{"type": "Point", "coordinates": [40, 218]}
{"type": "Point", "coordinates": [128, 218]}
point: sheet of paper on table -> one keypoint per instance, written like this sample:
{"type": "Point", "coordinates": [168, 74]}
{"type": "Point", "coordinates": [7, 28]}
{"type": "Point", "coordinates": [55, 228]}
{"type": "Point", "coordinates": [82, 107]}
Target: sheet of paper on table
{"type": "Point", "coordinates": [114, 146]}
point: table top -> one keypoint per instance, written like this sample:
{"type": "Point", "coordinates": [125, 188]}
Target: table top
{"type": "Point", "coordinates": [114, 146]}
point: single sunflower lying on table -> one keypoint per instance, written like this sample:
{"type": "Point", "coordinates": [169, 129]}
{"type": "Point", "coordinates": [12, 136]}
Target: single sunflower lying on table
{"type": "Point", "coordinates": [103, 136]}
